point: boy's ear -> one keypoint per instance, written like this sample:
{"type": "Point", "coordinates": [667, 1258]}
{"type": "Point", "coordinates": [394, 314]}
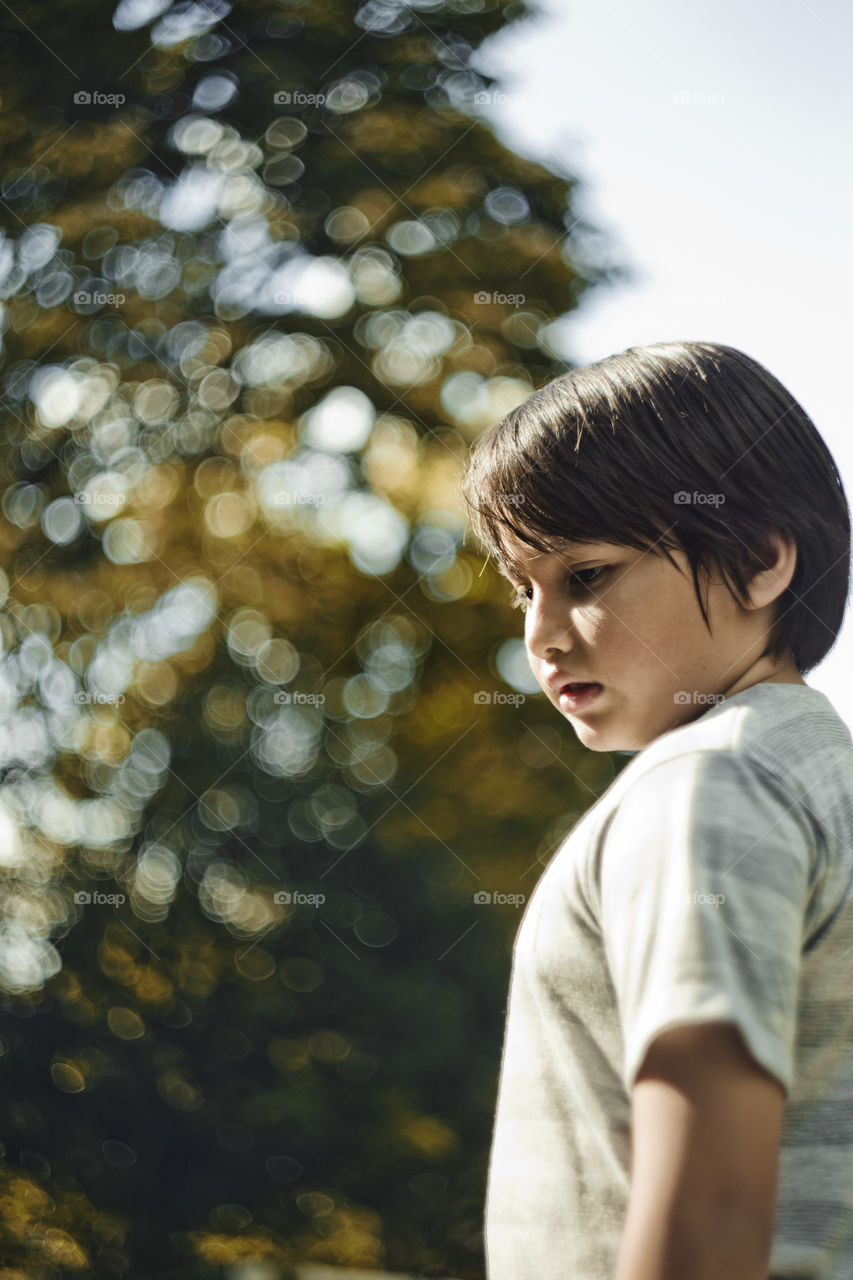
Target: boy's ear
{"type": "Point", "coordinates": [771, 566]}
{"type": "Point", "coordinates": [780, 565]}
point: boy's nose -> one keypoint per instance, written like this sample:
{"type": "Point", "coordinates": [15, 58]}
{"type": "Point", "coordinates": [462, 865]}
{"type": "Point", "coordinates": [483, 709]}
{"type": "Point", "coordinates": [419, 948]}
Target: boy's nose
{"type": "Point", "coordinates": [548, 634]}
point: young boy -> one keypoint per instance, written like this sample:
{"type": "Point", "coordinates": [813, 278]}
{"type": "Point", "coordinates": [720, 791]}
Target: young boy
{"type": "Point", "coordinates": [676, 1089]}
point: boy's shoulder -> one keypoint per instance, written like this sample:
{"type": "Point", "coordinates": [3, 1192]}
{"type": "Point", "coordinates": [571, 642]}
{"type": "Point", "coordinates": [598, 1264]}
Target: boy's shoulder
{"type": "Point", "coordinates": [789, 729]}
{"type": "Point", "coordinates": [787, 737]}
{"type": "Point", "coordinates": [771, 754]}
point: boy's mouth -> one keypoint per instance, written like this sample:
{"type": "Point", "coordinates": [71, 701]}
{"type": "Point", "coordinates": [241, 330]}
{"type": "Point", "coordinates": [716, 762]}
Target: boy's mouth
{"type": "Point", "coordinates": [576, 695]}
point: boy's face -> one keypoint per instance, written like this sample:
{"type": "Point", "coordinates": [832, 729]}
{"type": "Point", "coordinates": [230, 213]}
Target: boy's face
{"type": "Point", "coordinates": [628, 620]}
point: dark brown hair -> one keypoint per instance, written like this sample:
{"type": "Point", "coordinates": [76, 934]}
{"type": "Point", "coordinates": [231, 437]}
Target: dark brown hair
{"type": "Point", "coordinates": [688, 445]}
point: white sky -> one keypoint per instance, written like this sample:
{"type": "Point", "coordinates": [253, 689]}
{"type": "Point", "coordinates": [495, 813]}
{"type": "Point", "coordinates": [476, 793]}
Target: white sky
{"type": "Point", "coordinates": [713, 144]}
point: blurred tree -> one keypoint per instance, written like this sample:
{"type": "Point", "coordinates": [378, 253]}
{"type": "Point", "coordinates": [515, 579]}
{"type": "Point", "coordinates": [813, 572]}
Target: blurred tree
{"type": "Point", "coordinates": [265, 273]}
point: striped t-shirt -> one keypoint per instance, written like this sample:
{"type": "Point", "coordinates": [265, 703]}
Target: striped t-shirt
{"type": "Point", "coordinates": [712, 880]}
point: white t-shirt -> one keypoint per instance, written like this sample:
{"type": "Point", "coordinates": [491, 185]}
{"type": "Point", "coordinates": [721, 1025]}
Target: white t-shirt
{"type": "Point", "coordinates": [712, 880]}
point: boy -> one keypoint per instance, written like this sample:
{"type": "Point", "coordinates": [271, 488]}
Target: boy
{"type": "Point", "coordinates": [676, 1088]}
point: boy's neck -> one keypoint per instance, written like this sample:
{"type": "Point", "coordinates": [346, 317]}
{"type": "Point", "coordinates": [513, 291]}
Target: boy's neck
{"type": "Point", "coordinates": [772, 673]}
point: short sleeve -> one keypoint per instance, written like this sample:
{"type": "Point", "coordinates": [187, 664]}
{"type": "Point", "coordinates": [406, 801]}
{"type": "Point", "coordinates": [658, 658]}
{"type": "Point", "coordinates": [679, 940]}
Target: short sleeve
{"type": "Point", "coordinates": [704, 882]}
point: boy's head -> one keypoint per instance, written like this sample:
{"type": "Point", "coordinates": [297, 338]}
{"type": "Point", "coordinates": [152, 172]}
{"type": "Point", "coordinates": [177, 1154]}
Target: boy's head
{"type": "Point", "coordinates": [677, 530]}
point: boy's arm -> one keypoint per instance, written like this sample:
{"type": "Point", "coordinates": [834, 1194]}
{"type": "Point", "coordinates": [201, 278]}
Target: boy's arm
{"type": "Point", "coordinates": [706, 1126]}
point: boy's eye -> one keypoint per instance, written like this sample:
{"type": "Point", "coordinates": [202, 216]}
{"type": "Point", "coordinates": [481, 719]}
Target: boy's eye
{"type": "Point", "coordinates": [520, 598]}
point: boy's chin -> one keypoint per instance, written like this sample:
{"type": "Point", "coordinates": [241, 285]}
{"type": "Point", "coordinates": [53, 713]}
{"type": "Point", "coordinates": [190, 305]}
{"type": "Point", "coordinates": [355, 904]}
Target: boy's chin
{"type": "Point", "coordinates": [596, 740]}
{"type": "Point", "coordinates": [609, 739]}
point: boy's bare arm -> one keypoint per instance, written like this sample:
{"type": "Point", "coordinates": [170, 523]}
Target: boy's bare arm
{"type": "Point", "coordinates": [706, 1125]}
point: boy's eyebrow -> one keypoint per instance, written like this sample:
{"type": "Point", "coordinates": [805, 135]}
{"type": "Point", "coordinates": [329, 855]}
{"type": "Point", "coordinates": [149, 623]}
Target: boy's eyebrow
{"type": "Point", "coordinates": [507, 570]}
{"type": "Point", "coordinates": [510, 569]}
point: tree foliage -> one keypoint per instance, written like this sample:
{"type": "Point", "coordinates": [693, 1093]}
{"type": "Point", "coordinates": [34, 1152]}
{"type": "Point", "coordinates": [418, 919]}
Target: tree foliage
{"type": "Point", "coordinates": [266, 272]}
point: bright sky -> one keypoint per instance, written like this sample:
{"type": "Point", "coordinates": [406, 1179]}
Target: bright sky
{"type": "Point", "coordinates": [713, 144]}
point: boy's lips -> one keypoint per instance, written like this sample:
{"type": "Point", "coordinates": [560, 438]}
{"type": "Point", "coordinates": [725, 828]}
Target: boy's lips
{"type": "Point", "coordinates": [573, 697]}
{"type": "Point", "coordinates": [558, 681]}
